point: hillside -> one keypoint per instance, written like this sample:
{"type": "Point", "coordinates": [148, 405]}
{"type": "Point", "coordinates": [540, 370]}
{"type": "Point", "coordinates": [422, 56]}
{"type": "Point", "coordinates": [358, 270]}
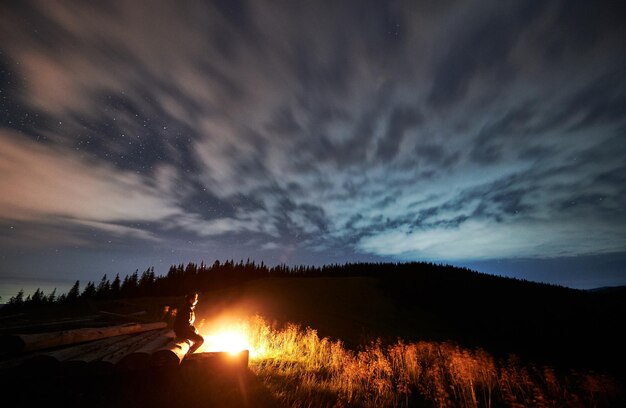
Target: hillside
{"type": "Point", "coordinates": [353, 309]}
{"type": "Point", "coordinates": [538, 322]}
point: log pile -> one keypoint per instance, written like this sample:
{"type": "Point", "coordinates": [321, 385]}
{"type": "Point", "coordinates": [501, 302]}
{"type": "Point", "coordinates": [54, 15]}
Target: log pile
{"type": "Point", "coordinates": [40, 341]}
{"type": "Point", "coordinates": [123, 348]}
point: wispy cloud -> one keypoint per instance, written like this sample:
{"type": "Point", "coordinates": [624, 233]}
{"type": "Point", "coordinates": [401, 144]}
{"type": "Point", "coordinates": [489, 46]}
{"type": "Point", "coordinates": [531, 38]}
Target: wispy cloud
{"type": "Point", "coordinates": [42, 181]}
{"type": "Point", "coordinates": [440, 131]}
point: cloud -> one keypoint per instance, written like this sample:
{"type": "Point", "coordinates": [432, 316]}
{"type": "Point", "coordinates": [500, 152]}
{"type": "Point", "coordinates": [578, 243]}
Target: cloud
{"type": "Point", "coordinates": [120, 230]}
{"type": "Point", "coordinates": [42, 181]}
{"type": "Point", "coordinates": [482, 50]}
{"type": "Point", "coordinates": [319, 126]}
{"type": "Point", "coordinates": [244, 223]}
{"type": "Point", "coordinates": [271, 246]}
{"type": "Point", "coordinates": [401, 120]}
{"type": "Point", "coordinates": [55, 186]}
{"type": "Point", "coordinates": [477, 240]}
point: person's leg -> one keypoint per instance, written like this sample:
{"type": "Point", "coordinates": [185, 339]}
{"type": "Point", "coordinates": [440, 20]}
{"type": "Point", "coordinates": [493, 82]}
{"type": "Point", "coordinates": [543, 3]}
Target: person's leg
{"type": "Point", "coordinates": [197, 341]}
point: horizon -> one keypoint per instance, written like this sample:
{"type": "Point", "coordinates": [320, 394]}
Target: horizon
{"type": "Point", "coordinates": [48, 286]}
{"type": "Point", "coordinates": [490, 136]}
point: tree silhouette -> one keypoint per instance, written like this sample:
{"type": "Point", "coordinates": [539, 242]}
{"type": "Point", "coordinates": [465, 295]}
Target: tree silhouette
{"type": "Point", "coordinates": [115, 286]}
{"type": "Point", "coordinates": [73, 293]}
{"type": "Point", "coordinates": [38, 297]}
{"type": "Point", "coordinates": [18, 299]}
{"type": "Point", "coordinates": [104, 287]}
{"type": "Point", "coordinates": [90, 291]}
{"type": "Point", "coordinates": [130, 284]}
{"type": "Point", "coordinates": [52, 296]}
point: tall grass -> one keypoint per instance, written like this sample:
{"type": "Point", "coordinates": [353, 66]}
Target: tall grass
{"type": "Point", "coordinates": [303, 370]}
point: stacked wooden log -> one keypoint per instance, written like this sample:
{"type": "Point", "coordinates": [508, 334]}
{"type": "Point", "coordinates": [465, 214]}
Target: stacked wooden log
{"type": "Point", "coordinates": [41, 341]}
{"type": "Point", "coordinates": [94, 350]}
{"type": "Point", "coordinates": [134, 364]}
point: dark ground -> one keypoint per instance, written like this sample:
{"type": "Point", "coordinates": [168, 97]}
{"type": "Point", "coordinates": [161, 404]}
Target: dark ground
{"type": "Point", "coordinates": [186, 386]}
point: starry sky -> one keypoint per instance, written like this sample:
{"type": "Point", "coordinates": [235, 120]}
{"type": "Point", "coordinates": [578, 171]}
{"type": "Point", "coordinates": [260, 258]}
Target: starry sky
{"type": "Point", "coordinates": [485, 134]}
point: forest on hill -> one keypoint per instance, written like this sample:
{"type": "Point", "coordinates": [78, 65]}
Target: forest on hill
{"type": "Point", "coordinates": [541, 322]}
{"type": "Point", "coordinates": [182, 278]}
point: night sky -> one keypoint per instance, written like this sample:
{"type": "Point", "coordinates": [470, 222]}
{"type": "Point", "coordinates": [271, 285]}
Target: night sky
{"type": "Point", "coordinates": [486, 134]}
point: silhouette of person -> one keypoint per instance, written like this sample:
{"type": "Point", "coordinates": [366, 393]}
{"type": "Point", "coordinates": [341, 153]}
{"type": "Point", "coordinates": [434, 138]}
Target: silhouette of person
{"type": "Point", "coordinates": [183, 324]}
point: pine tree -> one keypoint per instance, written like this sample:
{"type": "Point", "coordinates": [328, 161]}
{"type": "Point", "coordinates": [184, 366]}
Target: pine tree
{"type": "Point", "coordinates": [146, 282]}
{"type": "Point", "coordinates": [129, 286]}
{"type": "Point", "coordinates": [90, 291]}
{"type": "Point", "coordinates": [115, 286]}
{"type": "Point", "coordinates": [104, 287]}
{"type": "Point", "coordinates": [147, 278]}
{"type": "Point", "coordinates": [124, 288]}
{"type": "Point", "coordinates": [133, 280]}
{"type": "Point", "coordinates": [52, 296]}
{"type": "Point", "coordinates": [18, 299]}
{"type": "Point", "coordinates": [37, 297]}
{"type": "Point", "coordinates": [74, 292]}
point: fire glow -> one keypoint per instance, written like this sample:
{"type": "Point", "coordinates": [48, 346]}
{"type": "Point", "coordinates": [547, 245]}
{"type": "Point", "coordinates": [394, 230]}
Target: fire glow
{"type": "Point", "coordinates": [231, 341]}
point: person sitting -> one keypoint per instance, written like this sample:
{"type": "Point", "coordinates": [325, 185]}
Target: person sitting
{"type": "Point", "coordinates": [183, 324]}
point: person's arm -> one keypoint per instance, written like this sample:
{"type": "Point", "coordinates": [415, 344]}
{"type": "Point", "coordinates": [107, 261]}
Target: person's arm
{"type": "Point", "coordinates": [182, 318]}
{"type": "Point", "coordinates": [192, 318]}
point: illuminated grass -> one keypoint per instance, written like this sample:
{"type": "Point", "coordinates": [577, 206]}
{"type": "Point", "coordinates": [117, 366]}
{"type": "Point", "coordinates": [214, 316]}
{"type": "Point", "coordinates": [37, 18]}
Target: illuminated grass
{"type": "Point", "coordinates": [303, 370]}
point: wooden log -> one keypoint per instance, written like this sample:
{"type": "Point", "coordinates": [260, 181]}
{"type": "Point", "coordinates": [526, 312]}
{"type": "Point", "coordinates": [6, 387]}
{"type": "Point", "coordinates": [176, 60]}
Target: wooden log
{"type": "Point", "coordinates": [78, 364]}
{"type": "Point", "coordinates": [134, 317]}
{"type": "Point", "coordinates": [171, 354]}
{"type": "Point", "coordinates": [111, 360]}
{"type": "Point", "coordinates": [97, 361]}
{"type": "Point", "coordinates": [15, 365]}
{"type": "Point", "coordinates": [127, 315]}
{"type": "Point", "coordinates": [11, 316]}
{"type": "Point", "coordinates": [70, 352]}
{"type": "Point", "coordinates": [140, 358]}
{"type": "Point", "coordinates": [101, 352]}
{"type": "Point", "coordinates": [40, 341]}
{"type": "Point", "coordinates": [73, 325]}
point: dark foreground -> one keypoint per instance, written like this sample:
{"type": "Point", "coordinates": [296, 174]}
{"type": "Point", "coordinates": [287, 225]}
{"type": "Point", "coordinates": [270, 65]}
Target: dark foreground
{"type": "Point", "coordinates": [189, 385]}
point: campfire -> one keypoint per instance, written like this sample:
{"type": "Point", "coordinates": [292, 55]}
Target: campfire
{"type": "Point", "coordinates": [228, 340]}
{"type": "Point", "coordinates": [227, 335]}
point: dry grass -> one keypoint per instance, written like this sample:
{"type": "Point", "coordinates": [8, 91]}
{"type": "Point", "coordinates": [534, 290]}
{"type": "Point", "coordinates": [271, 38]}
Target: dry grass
{"type": "Point", "coordinates": [303, 370]}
